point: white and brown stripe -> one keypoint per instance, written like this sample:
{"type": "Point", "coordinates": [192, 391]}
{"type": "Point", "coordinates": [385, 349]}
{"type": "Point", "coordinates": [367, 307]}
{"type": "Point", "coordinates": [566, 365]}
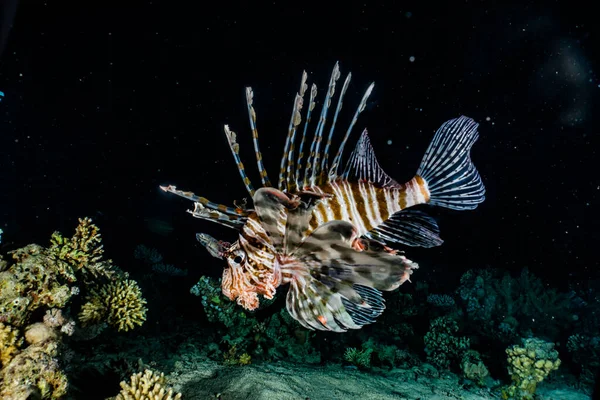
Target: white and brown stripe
{"type": "Point", "coordinates": [365, 204]}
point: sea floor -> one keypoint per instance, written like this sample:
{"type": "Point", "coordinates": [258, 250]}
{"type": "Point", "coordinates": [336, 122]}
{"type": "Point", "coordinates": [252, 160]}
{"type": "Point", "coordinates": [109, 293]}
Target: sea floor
{"type": "Point", "coordinates": [284, 381]}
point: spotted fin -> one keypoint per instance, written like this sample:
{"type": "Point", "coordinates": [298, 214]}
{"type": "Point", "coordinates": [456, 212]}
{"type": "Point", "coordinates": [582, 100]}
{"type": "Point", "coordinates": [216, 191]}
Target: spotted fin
{"type": "Point", "coordinates": [271, 206]}
{"type": "Point", "coordinates": [336, 287]}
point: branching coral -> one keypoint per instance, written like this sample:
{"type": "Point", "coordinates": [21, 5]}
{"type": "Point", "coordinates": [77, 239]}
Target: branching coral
{"type": "Point", "coordinates": [82, 252]}
{"type": "Point", "coordinates": [147, 386]}
{"type": "Point", "coordinates": [119, 303]}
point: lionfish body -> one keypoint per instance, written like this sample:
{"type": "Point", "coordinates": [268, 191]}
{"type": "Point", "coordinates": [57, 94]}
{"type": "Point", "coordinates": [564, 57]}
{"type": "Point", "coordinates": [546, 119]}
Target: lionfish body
{"type": "Point", "coordinates": [326, 231]}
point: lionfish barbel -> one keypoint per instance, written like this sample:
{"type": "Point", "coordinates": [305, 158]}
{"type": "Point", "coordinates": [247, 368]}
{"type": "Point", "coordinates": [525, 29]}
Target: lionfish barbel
{"type": "Point", "coordinates": [327, 231]}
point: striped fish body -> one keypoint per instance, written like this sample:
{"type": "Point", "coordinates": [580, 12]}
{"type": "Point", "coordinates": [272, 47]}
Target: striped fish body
{"type": "Point", "coordinates": [328, 231]}
{"type": "Point", "coordinates": [365, 204]}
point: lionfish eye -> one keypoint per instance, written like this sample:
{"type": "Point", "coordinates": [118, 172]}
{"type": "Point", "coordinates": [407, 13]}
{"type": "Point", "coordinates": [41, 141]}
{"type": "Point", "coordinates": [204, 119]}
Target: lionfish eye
{"type": "Point", "coordinates": [237, 259]}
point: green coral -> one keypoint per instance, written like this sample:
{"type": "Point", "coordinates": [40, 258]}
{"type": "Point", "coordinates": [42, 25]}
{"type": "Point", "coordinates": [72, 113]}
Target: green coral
{"type": "Point", "coordinates": [278, 336]}
{"type": "Point", "coordinates": [441, 343]}
{"type": "Point", "coordinates": [528, 365]}
{"type": "Point", "coordinates": [503, 307]}
{"type": "Point", "coordinates": [360, 358]}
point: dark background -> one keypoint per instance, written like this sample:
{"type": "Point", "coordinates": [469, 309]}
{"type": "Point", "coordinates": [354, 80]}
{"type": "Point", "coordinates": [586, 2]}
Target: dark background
{"type": "Point", "coordinates": [104, 103]}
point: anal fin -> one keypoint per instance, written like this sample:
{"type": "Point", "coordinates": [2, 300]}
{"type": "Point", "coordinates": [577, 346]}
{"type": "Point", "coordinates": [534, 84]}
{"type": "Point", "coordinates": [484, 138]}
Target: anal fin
{"type": "Point", "coordinates": [408, 227]}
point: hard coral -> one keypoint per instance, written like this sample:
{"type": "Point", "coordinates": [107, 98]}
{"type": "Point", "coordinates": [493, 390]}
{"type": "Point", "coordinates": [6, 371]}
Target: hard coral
{"type": "Point", "coordinates": [120, 303]}
{"type": "Point", "coordinates": [10, 341]}
{"type": "Point", "coordinates": [528, 365]}
{"type": "Point", "coordinates": [441, 344]}
{"type": "Point", "coordinates": [147, 386]}
{"type": "Point", "coordinates": [34, 281]}
{"type": "Point", "coordinates": [42, 277]}
{"type": "Point", "coordinates": [34, 373]}
{"type": "Point", "coordinates": [82, 252]}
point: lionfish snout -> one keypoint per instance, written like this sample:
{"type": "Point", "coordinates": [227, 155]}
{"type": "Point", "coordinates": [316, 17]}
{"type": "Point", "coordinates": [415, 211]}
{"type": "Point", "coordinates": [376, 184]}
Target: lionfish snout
{"type": "Point", "coordinates": [216, 248]}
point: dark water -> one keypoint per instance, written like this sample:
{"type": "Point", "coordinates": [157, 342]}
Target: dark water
{"type": "Point", "coordinates": [104, 103]}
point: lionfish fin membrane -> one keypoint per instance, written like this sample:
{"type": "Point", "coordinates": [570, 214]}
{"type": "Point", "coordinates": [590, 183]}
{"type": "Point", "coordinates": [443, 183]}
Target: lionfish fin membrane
{"type": "Point", "coordinates": [362, 315]}
{"type": "Point", "coordinates": [410, 228]}
{"type": "Point", "coordinates": [271, 207]}
{"type": "Point", "coordinates": [363, 165]}
{"type": "Point", "coordinates": [338, 287]}
{"type": "Point", "coordinates": [452, 180]}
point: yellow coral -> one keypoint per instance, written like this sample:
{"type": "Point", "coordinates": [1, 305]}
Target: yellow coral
{"type": "Point", "coordinates": [119, 303]}
{"type": "Point", "coordinates": [529, 365]}
{"type": "Point", "coordinates": [9, 343]}
{"type": "Point", "coordinates": [147, 386]}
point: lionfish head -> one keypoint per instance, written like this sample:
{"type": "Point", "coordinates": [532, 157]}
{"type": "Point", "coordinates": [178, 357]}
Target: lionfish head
{"type": "Point", "coordinates": [217, 248]}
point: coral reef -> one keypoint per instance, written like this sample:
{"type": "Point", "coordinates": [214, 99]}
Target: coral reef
{"type": "Point", "coordinates": [148, 385]}
{"type": "Point", "coordinates": [10, 341]}
{"type": "Point", "coordinates": [473, 367]}
{"type": "Point", "coordinates": [278, 336]}
{"type": "Point", "coordinates": [36, 289]}
{"type": "Point", "coordinates": [528, 365]}
{"type": "Point", "coordinates": [119, 303]}
{"type": "Point", "coordinates": [153, 258]}
{"type": "Point", "coordinates": [442, 346]}
{"type": "Point", "coordinates": [503, 308]}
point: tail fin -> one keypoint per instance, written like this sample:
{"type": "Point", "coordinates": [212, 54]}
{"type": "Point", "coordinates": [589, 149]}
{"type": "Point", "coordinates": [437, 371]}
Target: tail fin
{"type": "Point", "coordinates": [451, 177]}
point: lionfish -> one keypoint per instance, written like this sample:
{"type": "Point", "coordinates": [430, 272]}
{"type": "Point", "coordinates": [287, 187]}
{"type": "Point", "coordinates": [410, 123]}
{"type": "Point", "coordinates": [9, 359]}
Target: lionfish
{"type": "Point", "coordinates": [327, 230]}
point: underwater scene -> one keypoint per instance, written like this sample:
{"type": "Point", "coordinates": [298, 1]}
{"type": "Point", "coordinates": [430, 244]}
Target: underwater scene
{"type": "Point", "coordinates": [286, 201]}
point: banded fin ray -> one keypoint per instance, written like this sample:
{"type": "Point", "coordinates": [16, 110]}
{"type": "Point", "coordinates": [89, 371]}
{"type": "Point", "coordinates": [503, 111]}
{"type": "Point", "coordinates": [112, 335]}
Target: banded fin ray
{"type": "Point", "coordinates": [312, 165]}
{"type": "Point", "coordinates": [235, 151]}
{"type": "Point", "coordinates": [324, 163]}
{"type": "Point", "coordinates": [287, 179]}
{"type": "Point", "coordinates": [410, 228]}
{"type": "Point", "coordinates": [310, 108]}
{"type": "Point", "coordinates": [205, 209]}
{"type": "Point", "coordinates": [334, 274]}
{"type": "Point", "coordinates": [333, 171]}
{"type": "Point", "coordinates": [264, 178]}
